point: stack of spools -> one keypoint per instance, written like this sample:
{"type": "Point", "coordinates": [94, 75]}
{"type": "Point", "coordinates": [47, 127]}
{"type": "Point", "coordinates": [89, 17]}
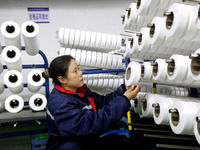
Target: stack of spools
{"type": "Point", "coordinates": [13, 77]}
{"type": "Point", "coordinates": [165, 34]}
{"type": "Point", "coordinates": [174, 32]}
{"type": "Point", "coordinates": [94, 48]}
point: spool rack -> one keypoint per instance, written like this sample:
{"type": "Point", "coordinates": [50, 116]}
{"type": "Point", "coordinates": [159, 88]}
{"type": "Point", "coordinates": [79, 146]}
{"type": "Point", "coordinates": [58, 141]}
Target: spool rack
{"type": "Point", "coordinates": [31, 127]}
{"type": "Point", "coordinates": [146, 135]}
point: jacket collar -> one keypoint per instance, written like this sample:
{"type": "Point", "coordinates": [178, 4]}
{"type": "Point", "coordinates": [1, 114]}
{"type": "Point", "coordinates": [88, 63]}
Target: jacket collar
{"type": "Point", "coordinates": [81, 91]}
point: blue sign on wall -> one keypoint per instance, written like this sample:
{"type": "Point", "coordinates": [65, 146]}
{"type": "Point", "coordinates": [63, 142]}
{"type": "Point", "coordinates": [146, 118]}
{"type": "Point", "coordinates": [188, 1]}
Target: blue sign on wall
{"type": "Point", "coordinates": [39, 14]}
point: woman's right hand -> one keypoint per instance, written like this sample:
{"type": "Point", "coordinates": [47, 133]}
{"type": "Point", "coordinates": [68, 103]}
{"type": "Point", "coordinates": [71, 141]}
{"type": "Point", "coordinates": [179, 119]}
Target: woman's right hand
{"type": "Point", "coordinates": [132, 91]}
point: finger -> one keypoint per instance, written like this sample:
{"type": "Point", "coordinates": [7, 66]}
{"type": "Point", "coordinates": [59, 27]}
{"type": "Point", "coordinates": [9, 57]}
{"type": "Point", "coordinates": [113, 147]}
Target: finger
{"type": "Point", "coordinates": [132, 87]}
{"type": "Point", "coordinates": [137, 88]}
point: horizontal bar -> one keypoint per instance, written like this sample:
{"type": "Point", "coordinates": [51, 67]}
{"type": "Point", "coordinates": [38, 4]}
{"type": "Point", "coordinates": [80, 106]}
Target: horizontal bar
{"type": "Point", "coordinates": [103, 71]}
{"type": "Point", "coordinates": [26, 85]}
{"type": "Point", "coordinates": [28, 66]}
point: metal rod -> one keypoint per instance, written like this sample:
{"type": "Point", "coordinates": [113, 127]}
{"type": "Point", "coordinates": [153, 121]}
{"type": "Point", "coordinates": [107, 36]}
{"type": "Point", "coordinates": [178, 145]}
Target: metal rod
{"type": "Point", "coordinates": [143, 100]}
{"type": "Point", "coordinates": [173, 110]}
{"type": "Point", "coordinates": [122, 34]}
{"type": "Point", "coordinates": [198, 119]}
{"type": "Point", "coordinates": [130, 39]}
{"type": "Point", "coordinates": [169, 60]}
{"type": "Point", "coordinates": [128, 31]}
{"type": "Point", "coordinates": [193, 56]}
{"type": "Point", "coordinates": [122, 16]}
{"type": "Point", "coordinates": [167, 14]}
{"type": "Point", "coordinates": [149, 25]}
{"type": "Point", "coordinates": [138, 34]}
{"type": "Point", "coordinates": [155, 105]}
{"type": "Point", "coordinates": [191, 1]}
{"type": "Point", "coordinates": [153, 63]}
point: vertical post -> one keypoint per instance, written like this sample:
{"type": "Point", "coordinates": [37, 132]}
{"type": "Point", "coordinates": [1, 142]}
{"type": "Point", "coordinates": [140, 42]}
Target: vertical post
{"type": "Point", "coordinates": [154, 88]}
{"type": "Point", "coordinates": [193, 92]}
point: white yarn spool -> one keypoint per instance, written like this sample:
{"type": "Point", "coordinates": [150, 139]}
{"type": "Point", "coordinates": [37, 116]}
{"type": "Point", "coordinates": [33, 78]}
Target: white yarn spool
{"type": "Point", "coordinates": [125, 21]}
{"type": "Point", "coordinates": [192, 33]}
{"type": "Point", "coordinates": [114, 42]}
{"type": "Point", "coordinates": [73, 53]}
{"type": "Point", "coordinates": [77, 38]}
{"type": "Point", "coordinates": [62, 51]}
{"type": "Point", "coordinates": [104, 60]}
{"type": "Point", "coordinates": [105, 82]}
{"type": "Point", "coordinates": [87, 40]}
{"type": "Point", "coordinates": [1, 87]}
{"type": "Point", "coordinates": [78, 56]}
{"type": "Point", "coordinates": [108, 41]}
{"type": "Point", "coordinates": [30, 32]}
{"type": "Point", "coordinates": [14, 104]}
{"type": "Point", "coordinates": [132, 16]}
{"type": "Point", "coordinates": [83, 57]}
{"type": "Point", "coordinates": [61, 36]}
{"type": "Point", "coordinates": [66, 51]}
{"type": "Point", "coordinates": [177, 67]}
{"type": "Point", "coordinates": [157, 36]}
{"type": "Point", "coordinates": [147, 110]}
{"type": "Point", "coordinates": [94, 58]}
{"type": "Point", "coordinates": [88, 58]}
{"type": "Point", "coordinates": [135, 47]}
{"type": "Point", "coordinates": [196, 126]}
{"type": "Point", "coordinates": [98, 41]}
{"type": "Point", "coordinates": [14, 81]}
{"type": "Point", "coordinates": [71, 38]}
{"type": "Point", "coordinates": [99, 59]}
{"type": "Point", "coordinates": [12, 58]}
{"type": "Point", "coordinates": [103, 41]}
{"type": "Point", "coordinates": [93, 40]}
{"type": "Point", "coordinates": [11, 33]}
{"type": "Point", "coordinates": [143, 42]}
{"type": "Point", "coordinates": [37, 102]}
{"type": "Point", "coordinates": [161, 106]}
{"type": "Point", "coordinates": [197, 17]}
{"type": "Point", "coordinates": [114, 61]}
{"type": "Point", "coordinates": [119, 42]}
{"type": "Point", "coordinates": [159, 70]}
{"type": "Point", "coordinates": [1, 67]}
{"type": "Point", "coordinates": [177, 20]}
{"type": "Point", "coordinates": [35, 80]}
{"type": "Point", "coordinates": [109, 60]}
{"type": "Point", "coordinates": [183, 115]}
{"type": "Point", "coordinates": [137, 107]}
{"type": "Point", "coordinates": [146, 71]}
{"type": "Point", "coordinates": [82, 40]}
{"type": "Point", "coordinates": [142, 8]}
{"type": "Point", "coordinates": [194, 65]}
{"type": "Point", "coordinates": [133, 73]}
{"type": "Point", "coordinates": [66, 37]}
{"type": "Point", "coordinates": [119, 62]}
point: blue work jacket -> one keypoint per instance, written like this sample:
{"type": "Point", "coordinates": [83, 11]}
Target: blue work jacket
{"type": "Point", "coordinates": [75, 120]}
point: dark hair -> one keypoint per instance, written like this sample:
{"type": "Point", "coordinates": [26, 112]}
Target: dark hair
{"type": "Point", "coordinates": [58, 67]}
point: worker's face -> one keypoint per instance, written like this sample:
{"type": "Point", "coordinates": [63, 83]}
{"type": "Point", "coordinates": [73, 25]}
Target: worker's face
{"type": "Point", "coordinates": [74, 79]}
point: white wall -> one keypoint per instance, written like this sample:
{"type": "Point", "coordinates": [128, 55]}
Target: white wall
{"type": "Point", "coordinates": [91, 15]}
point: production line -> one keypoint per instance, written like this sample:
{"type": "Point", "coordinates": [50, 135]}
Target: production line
{"type": "Point", "coordinates": [159, 49]}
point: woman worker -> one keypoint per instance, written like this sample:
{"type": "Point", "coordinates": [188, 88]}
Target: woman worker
{"type": "Point", "coordinates": [76, 116]}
